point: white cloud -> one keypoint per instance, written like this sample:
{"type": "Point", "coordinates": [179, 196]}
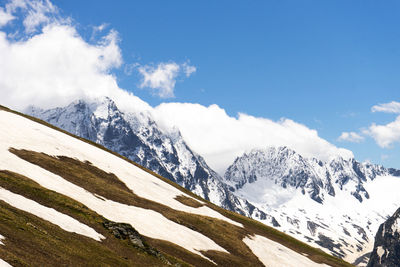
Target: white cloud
{"type": "Point", "coordinates": [36, 12]}
{"type": "Point", "coordinates": [392, 107]}
{"type": "Point", "coordinates": [56, 65]}
{"type": "Point", "coordinates": [351, 137]}
{"type": "Point", "coordinates": [220, 138]}
{"type": "Point", "coordinates": [385, 135]}
{"type": "Point", "coordinates": [188, 69]}
{"type": "Point", "coordinates": [5, 17]}
{"type": "Point", "coordinates": [100, 27]}
{"type": "Point", "coordinates": [162, 78]}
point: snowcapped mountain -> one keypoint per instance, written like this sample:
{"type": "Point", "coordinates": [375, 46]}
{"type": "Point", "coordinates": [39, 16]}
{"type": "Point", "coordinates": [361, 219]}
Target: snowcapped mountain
{"type": "Point", "coordinates": [288, 169]}
{"type": "Point", "coordinates": [386, 251]}
{"type": "Point", "coordinates": [68, 201]}
{"type": "Point", "coordinates": [138, 137]}
{"type": "Point", "coordinates": [337, 205]}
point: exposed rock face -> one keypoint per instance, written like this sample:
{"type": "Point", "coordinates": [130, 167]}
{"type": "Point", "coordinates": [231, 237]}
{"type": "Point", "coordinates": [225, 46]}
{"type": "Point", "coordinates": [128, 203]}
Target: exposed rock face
{"type": "Point", "coordinates": [125, 231]}
{"type": "Point", "coordinates": [386, 251]}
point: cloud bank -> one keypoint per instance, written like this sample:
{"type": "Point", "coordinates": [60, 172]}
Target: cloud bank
{"type": "Point", "coordinates": [53, 65]}
{"type": "Point", "coordinates": [221, 138]}
{"type": "Point", "coordinates": [56, 65]}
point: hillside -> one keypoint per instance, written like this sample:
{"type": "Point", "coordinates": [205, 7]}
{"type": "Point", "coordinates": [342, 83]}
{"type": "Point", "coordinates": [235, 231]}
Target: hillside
{"type": "Point", "coordinates": [65, 200]}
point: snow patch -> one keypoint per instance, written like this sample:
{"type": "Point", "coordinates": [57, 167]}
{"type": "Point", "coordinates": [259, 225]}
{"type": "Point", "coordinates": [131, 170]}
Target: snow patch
{"type": "Point", "coordinates": [4, 263]}
{"type": "Point", "coordinates": [396, 226]}
{"type": "Point", "coordinates": [273, 254]}
{"type": "Point", "coordinates": [1, 238]}
{"type": "Point", "coordinates": [65, 222]}
{"type": "Point", "coordinates": [380, 251]}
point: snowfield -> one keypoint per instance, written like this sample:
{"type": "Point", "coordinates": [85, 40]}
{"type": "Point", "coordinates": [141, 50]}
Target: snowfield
{"type": "Point", "coordinates": [337, 216]}
{"type": "Point", "coordinates": [273, 254]}
{"type": "Point", "coordinates": [64, 221]}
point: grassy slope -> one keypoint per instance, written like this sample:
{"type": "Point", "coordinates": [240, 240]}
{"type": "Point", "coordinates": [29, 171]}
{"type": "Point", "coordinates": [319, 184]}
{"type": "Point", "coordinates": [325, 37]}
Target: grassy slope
{"type": "Point", "coordinates": [230, 237]}
{"type": "Point", "coordinates": [32, 241]}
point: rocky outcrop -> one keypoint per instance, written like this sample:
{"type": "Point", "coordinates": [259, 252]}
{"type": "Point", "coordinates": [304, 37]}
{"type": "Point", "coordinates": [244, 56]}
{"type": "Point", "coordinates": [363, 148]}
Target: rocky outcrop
{"type": "Point", "coordinates": [125, 231]}
{"type": "Point", "coordinates": [386, 251]}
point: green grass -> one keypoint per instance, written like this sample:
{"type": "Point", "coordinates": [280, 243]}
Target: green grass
{"type": "Point", "coordinates": [32, 241]}
{"type": "Point", "coordinates": [189, 201]}
{"type": "Point", "coordinates": [107, 185]}
{"type": "Point", "coordinates": [223, 233]}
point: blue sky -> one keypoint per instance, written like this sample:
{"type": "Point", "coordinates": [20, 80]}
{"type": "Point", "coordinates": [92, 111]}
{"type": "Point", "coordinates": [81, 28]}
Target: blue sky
{"type": "Point", "coordinates": [323, 64]}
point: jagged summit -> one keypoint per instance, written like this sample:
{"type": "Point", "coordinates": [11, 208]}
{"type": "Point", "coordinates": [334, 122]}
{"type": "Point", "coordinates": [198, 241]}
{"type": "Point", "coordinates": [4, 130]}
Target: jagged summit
{"type": "Point", "coordinates": [286, 168]}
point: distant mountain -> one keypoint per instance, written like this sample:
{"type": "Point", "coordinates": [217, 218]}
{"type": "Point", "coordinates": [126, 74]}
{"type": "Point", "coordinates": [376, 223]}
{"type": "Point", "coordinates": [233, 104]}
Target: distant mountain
{"type": "Point", "coordinates": [66, 201]}
{"type": "Point", "coordinates": [288, 169]}
{"type": "Point", "coordinates": [325, 203]}
{"type": "Point", "coordinates": [386, 251]}
{"type": "Point", "coordinates": [138, 137]}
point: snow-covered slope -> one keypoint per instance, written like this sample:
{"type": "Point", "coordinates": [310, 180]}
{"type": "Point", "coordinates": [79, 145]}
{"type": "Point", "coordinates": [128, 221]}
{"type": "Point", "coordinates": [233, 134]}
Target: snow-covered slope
{"type": "Point", "coordinates": [138, 137]}
{"type": "Point", "coordinates": [337, 205]}
{"type": "Point", "coordinates": [68, 175]}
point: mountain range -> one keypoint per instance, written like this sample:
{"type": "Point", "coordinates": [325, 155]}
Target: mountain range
{"type": "Point", "coordinates": [336, 205]}
{"type": "Point", "coordinates": [65, 200]}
